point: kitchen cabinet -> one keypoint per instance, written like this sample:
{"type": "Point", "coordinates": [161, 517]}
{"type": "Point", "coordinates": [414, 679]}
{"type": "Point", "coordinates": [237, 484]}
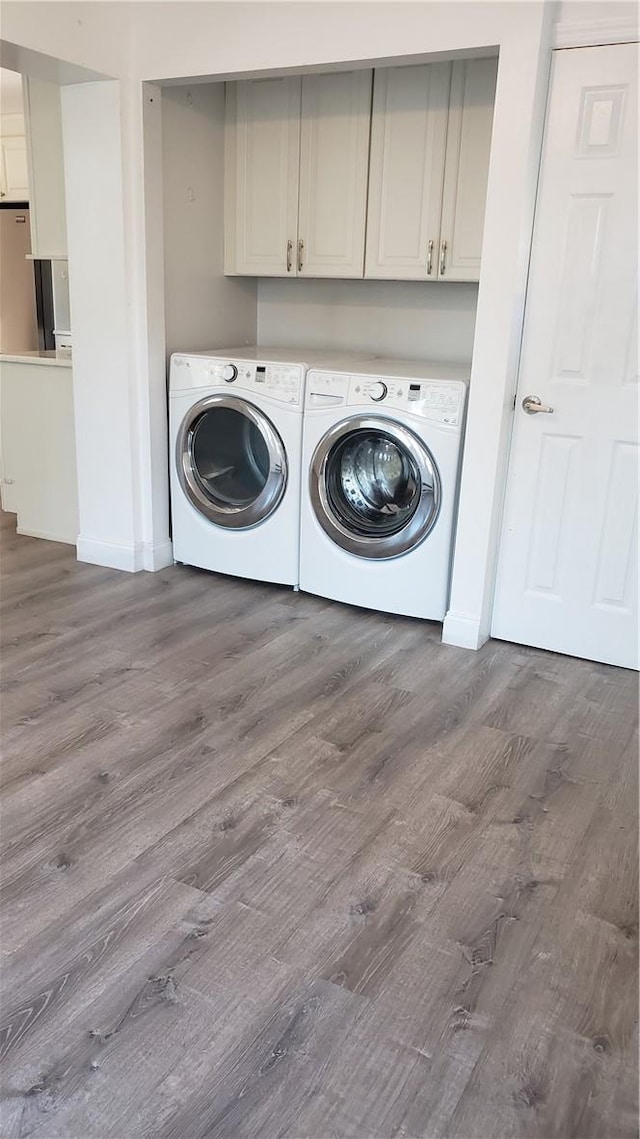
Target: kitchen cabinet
{"type": "Point", "coordinates": [43, 123]}
{"type": "Point", "coordinates": [430, 145]}
{"type": "Point", "coordinates": [296, 157]}
{"type": "Point", "coordinates": [14, 181]}
{"type": "Point", "coordinates": [37, 445]}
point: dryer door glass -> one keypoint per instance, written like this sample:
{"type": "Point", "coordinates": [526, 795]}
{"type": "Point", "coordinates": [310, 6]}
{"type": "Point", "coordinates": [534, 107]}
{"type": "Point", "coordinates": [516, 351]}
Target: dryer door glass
{"type": "Point", "coordinates": [374, 487]}
{"type": "Point", "coordinates": [231, 462]}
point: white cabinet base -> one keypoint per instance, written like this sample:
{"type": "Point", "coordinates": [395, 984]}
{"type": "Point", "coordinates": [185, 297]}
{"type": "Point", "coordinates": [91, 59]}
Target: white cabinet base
{"type": "Point", "coordinates": [38, 458]}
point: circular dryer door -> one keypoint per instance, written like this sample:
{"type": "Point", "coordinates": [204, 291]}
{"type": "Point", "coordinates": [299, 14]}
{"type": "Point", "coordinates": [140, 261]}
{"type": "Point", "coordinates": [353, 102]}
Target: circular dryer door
{"type": "Point", "coordinates": [231, 461]}
{"type": "Point", "coordinates": [375, 487]}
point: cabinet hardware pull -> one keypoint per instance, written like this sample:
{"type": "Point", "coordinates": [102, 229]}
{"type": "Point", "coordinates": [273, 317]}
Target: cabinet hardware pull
{"type": "Point", "coordinates": [429, 258]}
{"type": "Point", "coordinates": [289, 252]}
{"type": "Point", "coordinates": [443, 252]}
{"type": "Point", "coordinates": [300, 252]}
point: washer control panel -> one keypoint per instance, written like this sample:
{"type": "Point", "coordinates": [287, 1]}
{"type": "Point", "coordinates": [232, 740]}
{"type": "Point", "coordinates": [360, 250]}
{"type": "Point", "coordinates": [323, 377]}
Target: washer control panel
{"type": "Point", "coordinates": [440, 401]}
{"type": "Point", "coordinates": [282, 382]}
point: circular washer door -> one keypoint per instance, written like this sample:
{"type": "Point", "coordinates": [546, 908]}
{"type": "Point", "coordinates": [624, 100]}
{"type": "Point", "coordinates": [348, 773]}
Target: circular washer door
{"type": "Point", "coordinates": [374, 487]}
{"type": "Point", "coordinates": [231, 462]}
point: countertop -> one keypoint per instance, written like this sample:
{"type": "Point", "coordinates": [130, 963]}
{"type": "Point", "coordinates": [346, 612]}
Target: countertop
{"type": "Point", "coordinates": [55, 358]}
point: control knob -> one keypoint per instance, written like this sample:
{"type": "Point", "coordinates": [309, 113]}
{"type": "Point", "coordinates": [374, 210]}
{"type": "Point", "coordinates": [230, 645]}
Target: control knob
{"type": "Point", "coordinates": [229, 373]}
{"type": "Point", "coordinates": [378, 391]}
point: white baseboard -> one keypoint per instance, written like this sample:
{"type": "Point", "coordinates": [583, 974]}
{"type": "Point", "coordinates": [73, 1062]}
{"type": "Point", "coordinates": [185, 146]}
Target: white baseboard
{"type": "Point", "coordinates": [131, 559]}
{"type": "Point", "coordinates": [112, 554]}
{"type": "Point", "coordinates": [157, 557]}
{"type": "Point", "coordinates": [463, 631]}
{"type": "Point", "coordinates": [48, 537]}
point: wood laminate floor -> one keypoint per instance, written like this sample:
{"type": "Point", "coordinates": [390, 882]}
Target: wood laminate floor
{"type": "Point", "coordinates": [279, 867]}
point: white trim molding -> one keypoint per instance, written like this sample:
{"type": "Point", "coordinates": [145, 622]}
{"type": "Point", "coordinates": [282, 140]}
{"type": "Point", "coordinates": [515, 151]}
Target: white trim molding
{"type": "Point", "coordinates": [595, 33]}
{"type": "Point", "coordinates": [463, 631]}
{"type": "Point", "coordinates": [131, 559]}
{"type": "Point", "coordinates": [47, 535]}
{"type": "Point", "coordinates": [114, 555]}
{"type": "Point", "coordinates": [158, 556]}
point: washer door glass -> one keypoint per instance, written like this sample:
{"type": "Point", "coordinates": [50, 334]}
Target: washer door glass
{"type": "Point", "coordinates": [374, 487]}
{"type": "Point", "coordinates": [231, 462]}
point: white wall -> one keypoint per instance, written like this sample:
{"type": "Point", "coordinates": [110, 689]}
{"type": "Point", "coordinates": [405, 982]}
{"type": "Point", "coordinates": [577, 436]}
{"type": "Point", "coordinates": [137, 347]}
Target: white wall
{"type": "Point", "coordinates": [108, 482]}
{"type": "Point", "coordinates": [410, 319]}
{"type": "Point", "coordinates": [203, 308]}
{"type": "Point", "coordinates": [226, 39]}
{"type": "Point", "coordinates": [97, 36]}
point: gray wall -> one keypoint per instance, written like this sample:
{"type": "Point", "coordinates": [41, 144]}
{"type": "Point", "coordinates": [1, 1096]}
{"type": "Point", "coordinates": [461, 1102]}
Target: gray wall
{"type": "Point", "coordinates": [203, 308]}
{"type": "Point", "coordinates": [410, 319]}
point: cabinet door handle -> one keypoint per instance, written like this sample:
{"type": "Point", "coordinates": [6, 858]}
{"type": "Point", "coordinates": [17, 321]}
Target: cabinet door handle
{"type": "Point", "coordinates": [300, 252]}
{"type": "Point", "coordinates": [289, 252]}
{"type": "Point", "coordinates": [429, 258]}
{"type": "Point", "coordinates": [443, 256]}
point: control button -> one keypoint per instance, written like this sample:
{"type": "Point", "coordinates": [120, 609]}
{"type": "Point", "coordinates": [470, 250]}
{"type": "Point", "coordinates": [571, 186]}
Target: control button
{"type": "Point", "coordinates": [229, 373]}
{"type": "Point", "coordinates": [378, 391]}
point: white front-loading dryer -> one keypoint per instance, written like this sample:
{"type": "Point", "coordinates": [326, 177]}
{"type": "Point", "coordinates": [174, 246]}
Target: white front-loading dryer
{"type": "Point", "coordinates": [235, 441]}
{"type": "Point", "coordinates": [381, 459]}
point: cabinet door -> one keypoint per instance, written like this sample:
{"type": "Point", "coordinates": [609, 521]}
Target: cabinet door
{"type": "Point", "coordinates": [43, 122]}
{"type": "Point", "coordinates": [334, 154]}
{"type": "Point", "coordinates": [15, 181]}
{"type": "Point", "coordinates": [263, 146]}
{"type": "Point", "coordinates": [408, 138]}
{"type": "Point", "coordinates": [473, 88]}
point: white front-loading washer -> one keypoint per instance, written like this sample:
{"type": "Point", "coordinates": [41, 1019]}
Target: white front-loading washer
{"type": "Point", "coordinates": [235, 435]}
{"type": "Point", "coordinates": [381, 459]}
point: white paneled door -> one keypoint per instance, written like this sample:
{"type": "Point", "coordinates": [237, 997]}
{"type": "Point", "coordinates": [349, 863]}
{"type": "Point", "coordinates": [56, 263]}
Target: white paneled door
{"type": "Point", "coordinates": [568, 568]}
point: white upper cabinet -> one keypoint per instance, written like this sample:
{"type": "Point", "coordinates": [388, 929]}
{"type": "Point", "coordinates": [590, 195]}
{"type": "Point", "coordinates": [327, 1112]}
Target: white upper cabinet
{"type": "Point", "coordinates": [43, 122]}
{"type": "Point", "coordinates": [334, 156]}
{"type": "Point", "coordinates": [262, 155]}
{"type": "Point", "coordinates": [408, 141]}
{"type": "Point", "coordinates": [466, 167]}
{"type": "Point", "coordinates": [14, 180]}
{"type": "Point", "coordinates": [297, 153]}
{"type": "Point", "coordinates": [430, 144]}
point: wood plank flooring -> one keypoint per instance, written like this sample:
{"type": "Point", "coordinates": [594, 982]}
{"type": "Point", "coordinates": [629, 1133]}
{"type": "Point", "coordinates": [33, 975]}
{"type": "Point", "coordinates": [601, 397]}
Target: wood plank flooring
{"type": "Point", "coordinates": [275, 867]}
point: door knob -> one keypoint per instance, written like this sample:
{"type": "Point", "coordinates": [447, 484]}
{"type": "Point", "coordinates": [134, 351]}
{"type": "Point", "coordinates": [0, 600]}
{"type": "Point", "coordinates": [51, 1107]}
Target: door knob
{"type": "Point", "coordinates": [533, 405]}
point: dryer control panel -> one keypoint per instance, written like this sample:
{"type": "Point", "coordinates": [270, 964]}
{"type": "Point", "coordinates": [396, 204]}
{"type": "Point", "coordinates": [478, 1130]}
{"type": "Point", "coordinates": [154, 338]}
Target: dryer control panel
{"type": "Point", "coordinates": [439, 401]}
{"type": "Point", "coordinates": [282, 382]}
